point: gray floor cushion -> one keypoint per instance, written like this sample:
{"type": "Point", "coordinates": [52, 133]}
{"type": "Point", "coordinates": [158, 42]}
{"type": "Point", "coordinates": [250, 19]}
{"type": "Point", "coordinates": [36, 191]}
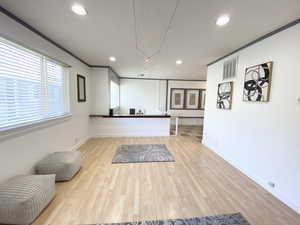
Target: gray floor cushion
{"type": "Point", "coordinates": [22, 198]}
{"type": "Point", "coordinates": [64, 164]}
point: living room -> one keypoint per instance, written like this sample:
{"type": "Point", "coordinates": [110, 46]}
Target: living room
{"type": "Point", "coordinates": [128, 111]}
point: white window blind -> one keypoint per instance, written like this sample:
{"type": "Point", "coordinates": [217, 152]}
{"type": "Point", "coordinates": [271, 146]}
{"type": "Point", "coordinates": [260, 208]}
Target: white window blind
{"type": "Point", "coordinates": [32, 88]}
{"type": "Point", "coordinates": [55, 74]}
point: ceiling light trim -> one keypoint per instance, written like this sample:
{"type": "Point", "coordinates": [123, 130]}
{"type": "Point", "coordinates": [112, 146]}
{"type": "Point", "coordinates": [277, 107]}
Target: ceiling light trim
{"type": "Point", "coordinates": [276, 31]}
{"type": "Point", "coordinates": [223, 20]}
{"type": "Point", "coordinates": [112, 59]}
{"type": "Point", "coordinates": [179, 62]}
{"type": "Point", "coordinates": [79, 10]}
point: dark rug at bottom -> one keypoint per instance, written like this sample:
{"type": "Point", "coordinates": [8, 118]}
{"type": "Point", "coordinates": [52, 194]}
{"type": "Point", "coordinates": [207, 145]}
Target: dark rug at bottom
{"type": "Point", "coordinates": [142, 153]}
{"type": "Point", "coordinates": [227, 219]}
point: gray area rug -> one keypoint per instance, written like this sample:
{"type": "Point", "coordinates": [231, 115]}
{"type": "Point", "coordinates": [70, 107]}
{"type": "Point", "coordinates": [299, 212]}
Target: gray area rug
{"type": "Point", "coordinates": [228, 219]}
{"type": "Point", "coordinates": [142, 153]}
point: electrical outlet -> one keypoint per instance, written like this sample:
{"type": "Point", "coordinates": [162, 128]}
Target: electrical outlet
{"type": "Point", "coordinates": [271, 184]}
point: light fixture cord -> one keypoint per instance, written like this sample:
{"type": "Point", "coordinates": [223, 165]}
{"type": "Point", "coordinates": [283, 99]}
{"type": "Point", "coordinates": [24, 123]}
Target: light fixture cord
{"type": "Point", "coordinates": [164, 37]}
{"type": "Point", "coordinates": [135, 31]}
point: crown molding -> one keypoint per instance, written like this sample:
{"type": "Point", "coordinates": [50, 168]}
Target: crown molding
{"type": "Point", "coordinates": [166, 79]}
{"type": "Point", "coordinates": [293, 23]}
{"type": "Point", "coordinates": [34, 30]}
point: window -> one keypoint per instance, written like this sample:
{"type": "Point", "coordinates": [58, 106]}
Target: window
{"type": "Point", "coordinates": [32, 87]}
{"type": "Point", "coordinates": [114, 95]}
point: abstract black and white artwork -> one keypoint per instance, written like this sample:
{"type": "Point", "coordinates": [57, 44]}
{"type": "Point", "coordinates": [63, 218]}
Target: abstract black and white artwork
{"type": "Point", "coordinates": [257, 83]}
{"type": "Point", "coordinates": [224, 98]}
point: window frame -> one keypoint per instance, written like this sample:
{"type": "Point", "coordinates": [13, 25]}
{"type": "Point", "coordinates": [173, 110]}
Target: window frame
{"type": "Point", "coordinates": [110, 94]}
{"type": "Point", "coordinates": [66, 91]}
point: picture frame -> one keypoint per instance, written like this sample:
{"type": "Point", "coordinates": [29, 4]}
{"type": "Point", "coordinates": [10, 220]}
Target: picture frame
{"type": "Point", "coordinates": [177, 98]}
{"type": "Point", "coordinates": [224, 95]}
{"type": "Point", "coordinates": [257, 82]}
{"type": "Point", "coordinates": [202, 99]}
{"type": "Point", "coordinates": [81, 88]}
{"type": "Point", "coordinates": [192, 99]}
{"type": "Point", "coordinates": [187, 99]}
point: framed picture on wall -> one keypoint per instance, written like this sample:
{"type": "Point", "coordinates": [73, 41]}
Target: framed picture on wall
{"type": "Point", "coordinates": [192, 99]}
{"type": "Point", "coordinates": [257, 83]}
{"type": "Point", "coordinates": [81, 89]}
{"type": "Point", "coordinates": [202, 99]}
{"type": "Point", "coordinates": [224, 96]}
{"type": "Point", "coordinates": [177, 98]}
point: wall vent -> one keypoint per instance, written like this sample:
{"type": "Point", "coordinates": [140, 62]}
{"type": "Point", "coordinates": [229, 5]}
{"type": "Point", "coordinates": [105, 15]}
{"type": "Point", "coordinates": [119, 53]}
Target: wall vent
{"type": "Point", "coordinates": [230, 68]}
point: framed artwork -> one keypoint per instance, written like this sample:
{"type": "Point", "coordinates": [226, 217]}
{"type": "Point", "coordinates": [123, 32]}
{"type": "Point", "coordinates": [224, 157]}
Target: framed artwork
{"type": "Point", "coordinates": [202, 99]}
{"type": "Point", "coordinates": [177, 98]}
{"type": "Point", "coordinates": [81, 90]}
{"type": "Point", "coordinates": [224, 96]}
{"type": "Point", "coordinates": [192, 99]}
{"type": "Point", "coordinates": [187, 99]}
{"type": "Point", "coordinates": [257, 83]}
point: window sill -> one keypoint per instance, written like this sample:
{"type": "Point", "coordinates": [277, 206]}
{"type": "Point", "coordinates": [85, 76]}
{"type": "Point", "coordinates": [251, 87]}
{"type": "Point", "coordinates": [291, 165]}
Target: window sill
{"type": "Point", "coordinates": [30, 126]}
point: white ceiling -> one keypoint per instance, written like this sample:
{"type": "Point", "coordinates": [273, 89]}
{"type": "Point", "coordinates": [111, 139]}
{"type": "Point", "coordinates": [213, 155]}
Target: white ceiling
{"type": "Point", "coordinates": [108, 30]}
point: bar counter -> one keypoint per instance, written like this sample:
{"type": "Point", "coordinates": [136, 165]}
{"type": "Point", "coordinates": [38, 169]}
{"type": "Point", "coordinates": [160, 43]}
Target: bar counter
{"type": "Point", "coordinates": [131, 116]}
{"type": "Point", "coordinates": [129, 125]}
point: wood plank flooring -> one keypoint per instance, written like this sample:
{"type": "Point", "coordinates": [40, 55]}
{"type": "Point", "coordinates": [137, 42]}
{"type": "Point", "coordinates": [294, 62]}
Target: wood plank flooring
{"type": "Point", "coordinates": [198, 184]}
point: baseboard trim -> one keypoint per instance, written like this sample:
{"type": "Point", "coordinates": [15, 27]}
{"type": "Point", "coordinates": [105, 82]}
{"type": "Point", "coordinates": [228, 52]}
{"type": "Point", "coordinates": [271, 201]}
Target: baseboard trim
{"type": "Point", "coordinates": [80, 143]}
{"type": "Point", "coordinates": [277, 194]}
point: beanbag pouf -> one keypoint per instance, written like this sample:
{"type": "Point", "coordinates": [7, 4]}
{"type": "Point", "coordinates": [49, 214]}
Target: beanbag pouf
{"type": "Point", "coordinates": [64, 164]}
{"type": "Point", "coordinates": [23, 197]}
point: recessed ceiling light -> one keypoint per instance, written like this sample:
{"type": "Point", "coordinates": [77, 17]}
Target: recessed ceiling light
{"type": "Point", "coordinates": [113, 59]}
{"type": "Point", "coordinates": [178, 62]}
{"type": "Point", "coordinates": [222, 20]}
{"type": "Point", "coordinates": [147, 60]}
{"type": "Point", "coordinates": [79, 10]}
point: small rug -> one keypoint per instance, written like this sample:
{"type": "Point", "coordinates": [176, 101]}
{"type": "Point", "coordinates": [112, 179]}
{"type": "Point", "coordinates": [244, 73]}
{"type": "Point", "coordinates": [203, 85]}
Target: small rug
{"type": "Point", "coordinates": [142, 153]}
{"type": "Point", "coordinates": [228, 219]}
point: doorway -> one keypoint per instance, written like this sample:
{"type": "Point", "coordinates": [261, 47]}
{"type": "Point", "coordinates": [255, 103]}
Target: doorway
{"type": "Point", "coordinates": [189, 127]}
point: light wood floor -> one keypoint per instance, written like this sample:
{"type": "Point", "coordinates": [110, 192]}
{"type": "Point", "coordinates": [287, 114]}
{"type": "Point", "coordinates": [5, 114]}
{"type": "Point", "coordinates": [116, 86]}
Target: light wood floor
{"type": "Point", "coordinates": [199, 184]}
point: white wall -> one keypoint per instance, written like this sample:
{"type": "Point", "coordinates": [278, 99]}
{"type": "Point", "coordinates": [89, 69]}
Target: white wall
{"type": "Point", "coordinates": [262, 139]}
{"type": "Point", "coordinates": [130, 127]}
{"type": "Point", "coordinates": [186, 113]}
{"type": "Point", "coordinates": [20, 151]}
{"type": "Point", "coordinates": [151, 96]}
{"type": "Point", "coordinates": [148, 95]}
{"type": "Point", "coordinates": [100, 91]}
